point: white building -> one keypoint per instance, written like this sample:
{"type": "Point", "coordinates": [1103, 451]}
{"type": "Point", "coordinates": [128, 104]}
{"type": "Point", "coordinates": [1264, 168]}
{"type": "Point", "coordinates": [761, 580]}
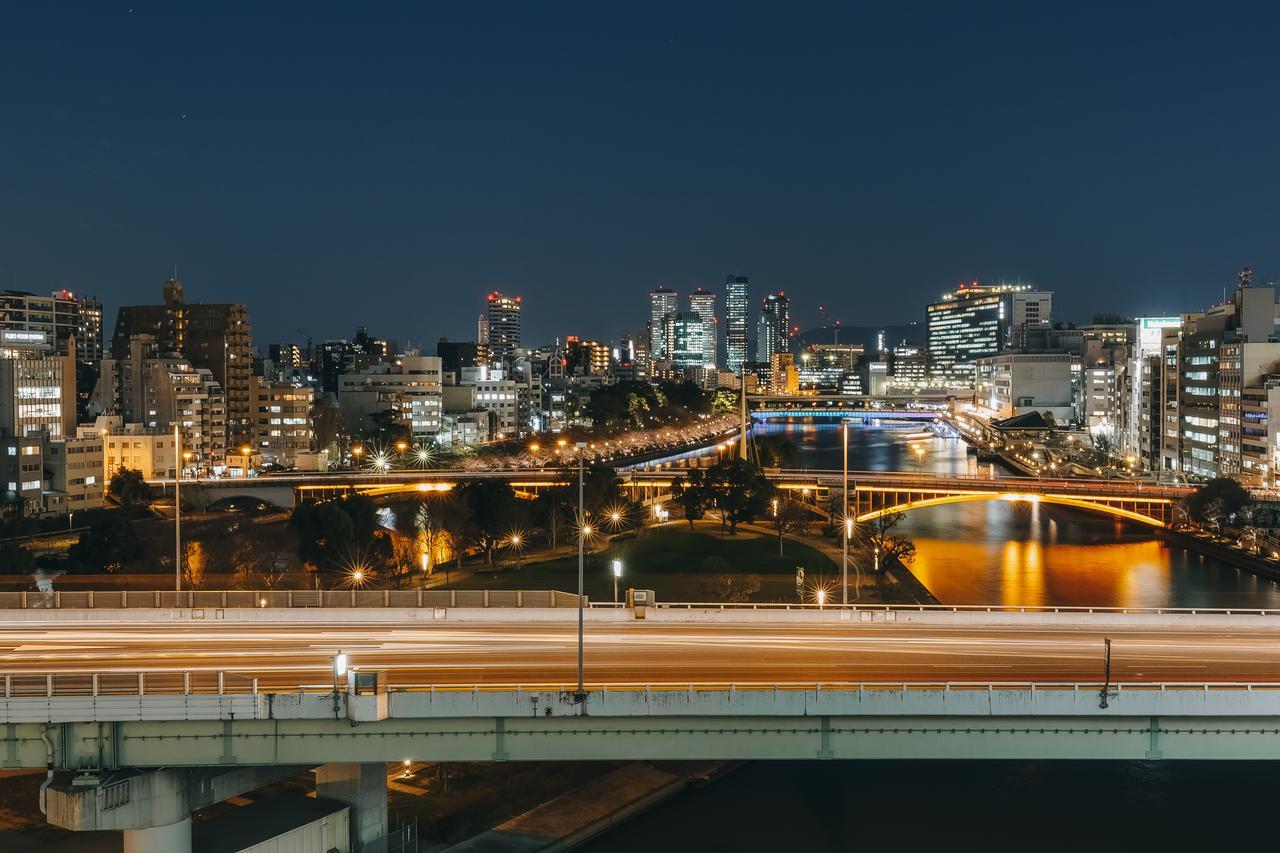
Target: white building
{"type": "Point", "coordinates": [411, 388]}
{"type": "Point", "coordinates": [1014, 383]}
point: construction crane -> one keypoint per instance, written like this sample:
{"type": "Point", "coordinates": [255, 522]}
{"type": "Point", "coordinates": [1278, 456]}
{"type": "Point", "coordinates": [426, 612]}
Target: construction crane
{"type": "Point", "coordinates": [834, 324]}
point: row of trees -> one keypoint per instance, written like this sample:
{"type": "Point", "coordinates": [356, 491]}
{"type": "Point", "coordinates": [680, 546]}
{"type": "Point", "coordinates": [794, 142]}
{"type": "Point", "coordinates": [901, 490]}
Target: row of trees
{"type": "Point", "coordinates": [353, 537]}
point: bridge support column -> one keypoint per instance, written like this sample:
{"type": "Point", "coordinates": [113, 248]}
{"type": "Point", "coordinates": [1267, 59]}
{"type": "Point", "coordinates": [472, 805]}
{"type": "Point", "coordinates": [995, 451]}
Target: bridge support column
{"type": "Point", "coordinates": [364, 788]}
{"type": "Point", "coordinates": [170, 838]}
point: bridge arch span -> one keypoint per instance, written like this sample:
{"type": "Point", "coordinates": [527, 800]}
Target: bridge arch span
{"type": "Point", "coordinates": [1099, 506]}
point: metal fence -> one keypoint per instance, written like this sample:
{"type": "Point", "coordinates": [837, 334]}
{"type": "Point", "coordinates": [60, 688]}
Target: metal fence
{"type": "Point", "coordinates": [215, 599]}
{"type": "Point", "coordinates": [82, 684]}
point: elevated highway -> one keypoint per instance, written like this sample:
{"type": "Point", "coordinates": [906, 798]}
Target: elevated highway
{"type": "Point", "coordinates": [144, 714]}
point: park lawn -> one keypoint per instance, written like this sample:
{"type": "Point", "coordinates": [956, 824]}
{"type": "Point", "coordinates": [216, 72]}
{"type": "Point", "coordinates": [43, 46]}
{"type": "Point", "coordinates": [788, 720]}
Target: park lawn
{"type": "Point", "coordinates": [675, 562]}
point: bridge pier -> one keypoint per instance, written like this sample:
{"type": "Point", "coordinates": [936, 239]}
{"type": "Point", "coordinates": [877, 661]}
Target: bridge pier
{"type": "Point", "coordinates": [364, 788]}
{"type": "Point", "coordinates": [170, 838]}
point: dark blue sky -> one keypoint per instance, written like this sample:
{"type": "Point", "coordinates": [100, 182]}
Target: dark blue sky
{"type": "Point", "coordinates": [330, 165]}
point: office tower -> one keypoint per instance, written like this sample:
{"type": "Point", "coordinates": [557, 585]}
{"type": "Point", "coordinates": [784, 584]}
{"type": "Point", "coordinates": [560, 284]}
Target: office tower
{"type": "Point", "coordinates": [735, 312]}
{"type": "Point", "coordinates": [979, 321]}
{"type": "Point", "coordinates": [774, 329]}
{"type": "Point", "coordinates": [703, 303]}
{"type": "Point", "coordinates": [503, 326]}
{"type": "Point", "coordinates": [216, 337]}
{"type": "Point", "coordinates": [662, 307]}
{"type": "Point", "coordinates": [688, 348]}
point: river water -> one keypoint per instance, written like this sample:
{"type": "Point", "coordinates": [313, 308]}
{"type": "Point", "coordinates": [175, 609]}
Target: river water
{"type": "Point", "coordinates": [989, 552]}
{"type": "Point", "coordinates": [998, 552]}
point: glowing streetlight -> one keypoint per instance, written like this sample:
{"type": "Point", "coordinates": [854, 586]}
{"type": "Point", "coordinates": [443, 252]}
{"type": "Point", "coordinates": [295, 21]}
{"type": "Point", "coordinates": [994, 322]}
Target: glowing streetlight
{"type": "Point", "coordinates": [822, 598]}
{"type": "Point", "coordinates": [617, 573]}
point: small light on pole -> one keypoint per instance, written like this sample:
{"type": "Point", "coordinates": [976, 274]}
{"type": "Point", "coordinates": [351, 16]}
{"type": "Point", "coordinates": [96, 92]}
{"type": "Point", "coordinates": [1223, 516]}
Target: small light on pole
{"type": "Point", "coordinates": [617, 573]}
{"type": "Point", "coordinates": [822, 598]}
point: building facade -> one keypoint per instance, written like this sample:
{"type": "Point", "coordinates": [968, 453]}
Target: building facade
{"type": "Point", "coordinates": [736, 312]}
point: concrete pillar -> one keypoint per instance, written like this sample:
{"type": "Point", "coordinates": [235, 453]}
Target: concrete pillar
{"type": "Point", "coordinates": [170, 838]}
{"type": "Point", "coordinates": [364, 788]}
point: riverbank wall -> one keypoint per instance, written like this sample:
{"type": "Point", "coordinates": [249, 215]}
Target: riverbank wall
{"type": "Point", "coordinates": [1260, 566]}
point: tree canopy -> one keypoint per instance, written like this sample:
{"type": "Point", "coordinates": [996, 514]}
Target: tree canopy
{"type": "Point", "coordinates": [128, 486]}
{"type": "Point", "coordinates": [109, 544]}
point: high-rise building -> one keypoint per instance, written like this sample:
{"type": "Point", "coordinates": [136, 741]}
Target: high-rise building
{"type": "Point", "coordinates": [502, 318]}
{"type": "Point", "coordinates": [662, 308]}
{"type": "Point", "coordinates": [213, 336]}
{"type": "Point", "coordinates": [736, 311]}
{"type": "Point", "coordinates": [773, 333]}
{"type": "Point", "coordinates": [159, 389]}
{"type": "Point", "coordinates": [688, 347]}
{"type": "Point", "coordinates": [703, 303]}
{"type": "Point", "coordinates": [979, 321]}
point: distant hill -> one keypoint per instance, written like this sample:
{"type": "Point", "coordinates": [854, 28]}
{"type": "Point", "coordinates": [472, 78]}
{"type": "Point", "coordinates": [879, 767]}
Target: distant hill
{"type": "Point", "coordinates": [865, 335]}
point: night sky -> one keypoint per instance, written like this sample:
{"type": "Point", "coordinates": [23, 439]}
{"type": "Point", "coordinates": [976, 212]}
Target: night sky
{"type": "Point", "coordinates": [330, 165]}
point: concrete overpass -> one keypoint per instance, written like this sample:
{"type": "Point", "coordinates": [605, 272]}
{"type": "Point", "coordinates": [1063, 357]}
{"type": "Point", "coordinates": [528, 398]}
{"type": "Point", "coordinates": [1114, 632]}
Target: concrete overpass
{"type": "Point", "coordinates": [145, 713]}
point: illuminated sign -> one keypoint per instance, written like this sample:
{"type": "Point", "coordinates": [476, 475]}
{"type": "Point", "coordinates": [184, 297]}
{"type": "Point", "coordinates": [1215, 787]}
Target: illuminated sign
{"type": "Point", "coordinates": [17, 336]}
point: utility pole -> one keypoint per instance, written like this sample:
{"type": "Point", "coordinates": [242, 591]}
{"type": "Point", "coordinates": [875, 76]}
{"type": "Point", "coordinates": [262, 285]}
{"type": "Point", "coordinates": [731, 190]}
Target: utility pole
{"type": "Point", "coordinates": [177, 509]}
{"type": "Point", "coordinates": [1106, 674]}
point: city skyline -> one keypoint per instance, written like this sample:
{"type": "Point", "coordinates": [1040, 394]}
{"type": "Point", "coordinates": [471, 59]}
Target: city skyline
{"type": "Point", "coordinates": [229, 164]}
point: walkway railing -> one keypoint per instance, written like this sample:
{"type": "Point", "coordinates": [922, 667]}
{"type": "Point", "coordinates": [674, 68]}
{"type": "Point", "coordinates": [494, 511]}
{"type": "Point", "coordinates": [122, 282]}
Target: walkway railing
{"type": "Point", "coordinates": [505, 598]}
{"type": "Point", "coordinates": [302, 598]}
{"type": "Point", "coordinates": [54, 685]}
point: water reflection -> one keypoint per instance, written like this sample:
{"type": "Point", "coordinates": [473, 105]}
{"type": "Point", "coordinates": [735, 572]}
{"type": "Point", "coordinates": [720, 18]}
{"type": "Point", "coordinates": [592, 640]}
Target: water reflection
{"type": "Point", "coordinates": [1016, 553]}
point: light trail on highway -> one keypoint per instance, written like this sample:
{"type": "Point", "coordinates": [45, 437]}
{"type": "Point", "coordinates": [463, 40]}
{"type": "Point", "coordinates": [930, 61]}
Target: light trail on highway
{"type": "Point", "coordinates": [297, 655]}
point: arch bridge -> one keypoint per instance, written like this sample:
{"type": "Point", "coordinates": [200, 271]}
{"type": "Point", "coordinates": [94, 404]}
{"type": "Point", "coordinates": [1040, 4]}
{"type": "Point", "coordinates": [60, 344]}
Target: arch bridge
{"type": "Point", "coordinates": [873, 495]}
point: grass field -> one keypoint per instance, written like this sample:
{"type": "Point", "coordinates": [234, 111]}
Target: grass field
{"type": "Point", "coordinates": [677, 564]}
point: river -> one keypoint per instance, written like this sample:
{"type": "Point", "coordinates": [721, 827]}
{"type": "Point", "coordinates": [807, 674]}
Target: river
{"type": "Point", "coordinates": [989, 552]}
{"type": "Point", "coordinates": [998, 552]}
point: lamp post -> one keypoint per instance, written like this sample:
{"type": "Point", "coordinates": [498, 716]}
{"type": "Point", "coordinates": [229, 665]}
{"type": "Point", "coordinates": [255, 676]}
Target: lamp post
{"type": "Point", "coordinates": [848, 522]}
{"type": "Point", "coordinates": [177, 509]}
{"type": "Point", "coordinates": [582, 540]}
{"type": "Point", "coordinates": [339, 671]}
{"type": "Point", "coordinates": [617, 573]}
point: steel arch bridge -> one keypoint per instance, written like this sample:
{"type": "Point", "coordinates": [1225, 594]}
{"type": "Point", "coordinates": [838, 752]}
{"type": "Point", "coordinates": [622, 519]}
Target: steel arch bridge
{"type": "Point", "coordinates": [1154, 507]}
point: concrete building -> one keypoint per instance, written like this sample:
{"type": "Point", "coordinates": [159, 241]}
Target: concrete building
{"type": "Point", "coordinates": [282, 420]}
{"type": "Point", "coordinates": [157, 390]}
{"type": "Point", "coordinates": [22, 475]}
{"type": "Point", "coordinates": [908, 363]}
{"type": "Point", "coordinates": [74, 466]}
{"type": "Point", "coordinates": [501, 398]}
{"type": "Point", "coordinates": [37, 385]}
{"type": "Point", "coordinates": [212, 337]}
{"type": "Point", "coordinates": [410, 388]}
{"type": "Point", "coordinates": [133, 447]}
{"type": "Point", "coordinates": [1016, 383]}
{"type": "Point", "coordinates": [784, 378]}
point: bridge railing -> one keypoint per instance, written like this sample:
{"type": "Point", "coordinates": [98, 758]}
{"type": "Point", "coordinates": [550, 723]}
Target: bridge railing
{"type": "Point", "coordinates": [82, 684]}
{"type": "Point", "coordinates": [949, 608]}
{"type": "Point", "coordinates": [934, 480]}
{"type": "Point", "coordinates": [293, 598]}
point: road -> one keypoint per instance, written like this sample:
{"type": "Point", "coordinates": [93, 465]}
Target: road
{"type": "Point", "coordinates": [639, 653]}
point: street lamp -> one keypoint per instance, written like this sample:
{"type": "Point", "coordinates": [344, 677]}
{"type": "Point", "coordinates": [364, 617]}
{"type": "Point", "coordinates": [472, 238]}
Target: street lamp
{"type": "Point", "coordinates": [848, 522]}
{"type": "Point", "coordinates": [583, 532]}
{"type": "Point", "coordinates": [339, 672]}
{"type": "Point", "coordinates": [822, 598]}
{"type": "Point", "coordinates": [617, 573]}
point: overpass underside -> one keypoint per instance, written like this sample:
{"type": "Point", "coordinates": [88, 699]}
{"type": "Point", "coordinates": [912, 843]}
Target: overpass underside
{"type": "Point", "coordinates": [673, 722]}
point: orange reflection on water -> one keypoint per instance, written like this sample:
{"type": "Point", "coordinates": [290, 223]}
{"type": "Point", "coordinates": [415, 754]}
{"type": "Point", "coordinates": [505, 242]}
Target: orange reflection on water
{"type": "Point", "coordinates": [1026, 572]}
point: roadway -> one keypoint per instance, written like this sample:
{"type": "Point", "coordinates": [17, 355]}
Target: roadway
{"type": "Point", "coordinates": [540, 654]}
